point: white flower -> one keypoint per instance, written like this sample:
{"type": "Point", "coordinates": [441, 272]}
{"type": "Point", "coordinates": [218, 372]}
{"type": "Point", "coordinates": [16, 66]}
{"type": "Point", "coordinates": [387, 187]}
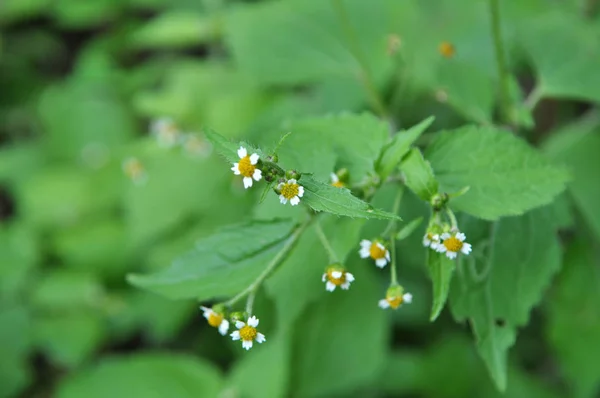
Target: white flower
{"type": "Point", "coordinates": [166, 132]}
{"type": "Point", "coordinates": [247, 332]}
{"type": "Point", "coordinates": [216, 320]}
{"type": "Point", "coordinates": [431, 240]}
{"type": "Point", "coordinates": [290, 190]}
{"type": "Point", "coordinates": [335, 276]}
{"type": "Point", "coordinates": [376, 251]}
{"type": "Point", "coordinates": [452, 244]}
{"type": "Point", "coordinates": [335, 181]}
{"type": "Point", "coordinates": [393, 301]}
{"type": "Point", "coordinates": [247, 167]}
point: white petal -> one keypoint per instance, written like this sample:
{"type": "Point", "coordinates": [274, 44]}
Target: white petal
{"type": "Point", "coordinates": [292, 181]}
{"type": "Point", "coordinates": [254, 158]}
{"type": "Point", "coordinates": [345, 285]}
{"type": "Point", "coordinates": [426, 241]}
{"type": "Point", "coordinates": [257, 175]}
{"type": "Point", "coordinates": [324, 277]}
{"type": "Point", "coordinates": [280, 186]}
{"type": "Point", "coordinates": [349, 277]}
{"type": "Point", "coordinates": [466, 248]}
{"type": "Point", "coordinates": [435, 246]}
{"type": "Point", "coordinates": [387, 255]}
{"type": "Point", "coordinates": [460, 236]}
{"type": "Point", "coordinates": [242, 153]}
{"type": "Point", "coordinates": [384, 304]}
{"type": "Point", "coordinates": [334, 178]}
{"type": "Point", "coordinates": [247, 182]}
{"type": "Point", "coordinates": [235, 169]}
{"type": "Point", "coordinates": [282, 199]}
{"type": "Point", "coordinates": [300, 191]}
{"type": "Point", "coordinates": [239, 324]}
{"type": "Point", "coordinates": [451, 255]}
{"type": "Point", "coordinates": [330, 287]}
{"type": "Point", "coordinates": [435, 238]}
{"type": "Point", "coordinates": [365, 243]}
{"type": "Point", "coordinates": [440, 248]}
{"type": "Point", "coordinates": [364, 252]}
{"type": "Point", "coordinates": [253, 321]}
{"type": "Point", "coordinates": [336, 274]}
{"type": "Point", "coordinates": [381, 262]}
{"type": "Point", "coordinates": [379, 245]}
{"type": "Point", "coordinates": [235, 335]}
{"type": "Point", "coordinates": [247, 344]}
{"type": "Point", "coordinates": [260, 338]}
{"type": "Point", "coordinates": [445, 236]}
{"type": "Point", "coordinates": [224, 327]}
{"type": "Point", "coordinates": [407, 298]}
{"type": "Point", "coordinates": [206, 312]}
{"type": "Point", "coordinates": [294, 201]}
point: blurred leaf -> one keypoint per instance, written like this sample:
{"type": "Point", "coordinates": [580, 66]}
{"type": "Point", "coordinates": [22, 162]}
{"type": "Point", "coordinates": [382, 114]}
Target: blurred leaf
{"type": "Point", "coordinates": [505, 175]}
{"type": "Point", "coordinates": [16, 10]}
{"type": "Point", "coordinates": [408, 229]}
{"type": "Point", "coordinates": [15, 343]}
{"type": "Point", "coordinates": [149, 375]}
{"type": "Point", "coordinates": [400, 144]}
{"type": "Point", "coordinates": [83, 14]}
{"type": "Point", "coordinates": [66, 289]}
{"type": "Point", "coordinates": [441, 270]}
{"type": "Point", "coordinates": [227, 148]}
{"type": "Point", "coordinates": [418, 175]}
{"type": "Point", "coordinates": [20, 254]}
{"type": "Point", "coordinates": [574, 319]}
{"type": "Point", "coordinates": [496, 286]}
{"type": "Point", "coordinates": [339, 201]}
{"type": "Point", "coordinates": [220, 265]}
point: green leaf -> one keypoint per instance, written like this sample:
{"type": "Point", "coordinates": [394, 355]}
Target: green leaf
{"type": "Point", "coordinates": [149, 375]}
{"type": "Point", "coordinates": [220, 265]}
{"type": "Point", "coordinates": [339, 201]}
{"type": "Point", "coordinates": [418, 175]}
{"type": "Point", "coordinates": [66, 289]}
{"type": "Point", "coordinates": [497, 285]}
{"type": "Point", "coordinates": [574, 319]}
{"type": "Point", "coordinates": [227, 148]}
{"type": "Point", "coordinates": [409, 228]}
{"type": "Point", "coordinates": [400, 144]}
{"type": "Point", "coordinates": [441, 270]}
{"type": "Point", "coordinates": [505, 175]}
{"type": "Point", "coordinates": [15, 345]}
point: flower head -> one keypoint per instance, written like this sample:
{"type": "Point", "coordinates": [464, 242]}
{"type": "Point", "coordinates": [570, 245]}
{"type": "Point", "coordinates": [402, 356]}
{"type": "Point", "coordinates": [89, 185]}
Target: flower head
{"type": "Point", "coordinates": [247, 332]}
{"type": "Point", "coordinates": [335, 276]}
{"type": "Point", "coordinates": [336, 182]}
{"type": "Point", "coordinates": [247, 167]}
{"type": "Point", "coordinates": [134, 169]}
{"type": "Point", "coordinates": [376, 250]}
{"type": "Point", "coordinates": [452, 243]}
{"type": "Point", "coordinates": [290, 190]}
{"type": "Point", "coordinates": [395, 297]}
{"type": "Point", "coordinates": [196, 146]}
{"type": "Point", "coordinates": [216, 320]}
{"type": "Point", "coordinates": [166, 132]}
{"type": "Point", "coordinates": [431, 239]}
{"type": "Point", "coordinates": [447, 49]}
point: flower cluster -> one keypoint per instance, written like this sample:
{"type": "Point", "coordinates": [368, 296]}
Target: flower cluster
{"type": "Point", "coordinates": [168, 135]}
{"type": "Point", "coordinates": [247, 331]}
{"type": "Point", "coordinates": [395, 297]}
{"type": "Point", "coordinates": [451, 242]}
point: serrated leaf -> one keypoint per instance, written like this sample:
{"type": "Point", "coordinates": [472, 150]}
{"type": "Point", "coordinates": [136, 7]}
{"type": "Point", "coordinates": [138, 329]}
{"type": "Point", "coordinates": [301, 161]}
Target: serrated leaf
{"type": "Point", "coordinates": [497, 285]}
{"type": "Point", "coordinates": [339, 201]}
{"type": "Point", "coordinates": [418, 175]}
{"type": "Point", "coordinates": [400, 144]}
{"type": "Point", "coordinates": [220, 265]}
{"type": "Point", "coordinates": [409, 228]}
{"type": "Point", "coordinates": [441, 269]}
{"type": "Point", "coordinates": [505, 175]}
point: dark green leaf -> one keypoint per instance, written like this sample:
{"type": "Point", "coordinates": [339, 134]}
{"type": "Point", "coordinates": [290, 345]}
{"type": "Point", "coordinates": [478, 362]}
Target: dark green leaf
{"type": "Point", "coordinates": [441, 270]}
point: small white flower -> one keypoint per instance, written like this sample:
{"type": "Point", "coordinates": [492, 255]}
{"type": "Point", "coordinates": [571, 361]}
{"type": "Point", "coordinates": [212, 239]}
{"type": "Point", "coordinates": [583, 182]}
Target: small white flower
{"type": "Point", "coordinates": [290, 190]}
{"type": "Point", "coordinates": [247, 332]}
{"type": "Point", "coordinates": [376, 251]}
{"type": "Point", "coordinates": [247, 167]}
{"type": "Point", "coordinates": [335, 181]}
{"type": "Point", "coordinates": [395, 298]}
{"type": "Point", "coordinates": [452, 244]}
{"type": "Point", "coordinates": [216, 320]}
{"type": "Point", "coordinates": [166, 132]}
{"type": "Point", "coordinates": [431, 240]}
{"type": "Point", "coordinates": [335, 276]}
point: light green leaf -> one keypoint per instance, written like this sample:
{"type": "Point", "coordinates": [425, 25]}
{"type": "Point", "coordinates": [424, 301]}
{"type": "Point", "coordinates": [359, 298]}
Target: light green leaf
{"type": "Point", "coordinates": [505, 175]}
{"type": "Point", "coordinates": [409, 228]}
{"type": "Point", "coordinates": [67, 289]}
{"type": "Point", "coordinates": [418, 175]}
{"type": "Point", "coordinates": [400, 144]}
{"type": "Point", "coordinates": [441, 270]}
{"type": "Point", "coordinates": [226, 148]}
{"type": "Point", "coordinates": [339, 201]}
{"type": "Point", "coordinates": [149, 375]}
{"type": "Point", "coordinates": [496, 286]}
{"type": "Point", "coordinates": [220, 265]}
{"type": "Point", "coordinates": [574, 319]}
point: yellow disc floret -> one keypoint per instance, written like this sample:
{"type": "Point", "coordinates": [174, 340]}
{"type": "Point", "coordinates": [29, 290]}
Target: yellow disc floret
{"type": "Point", "coordinates": [338, 184]}
{"type": "Point", "coordinates": [453, 244]}
{"type": "Point", "coordinates": [289, 190]}
{"type": "Point", "coordinates": [447, 49]}
{"type": "Point", "coordinates": [215, 319]}
{"type": "Point", "coordinates": [248, 333]}
{"type": "Point", "coordinates": [377, 251]}
{"type": "Point", "coordinates": [245, 167]}
{"type": "Point", "coordinates": [394, 301]}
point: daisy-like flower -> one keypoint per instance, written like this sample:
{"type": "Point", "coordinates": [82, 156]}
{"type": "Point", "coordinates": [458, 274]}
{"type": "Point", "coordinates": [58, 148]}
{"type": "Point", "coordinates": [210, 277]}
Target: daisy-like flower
{"type": "Point", "coordinates": [247, 332]}
{"type": "Point", "coordinates": [134, 169]}
{"type": "Point", "coordinates": [290, 190]}
{"type": "Point", "coordinates": [376, 250]}
{"type": "Point", "coordinates": [247, 167]}
{"type": "Point", "coordinates": [336, 276]}
{"type": "Point", "coordinates": [395, 297]}
{"type": "Point", "coordinates": [166, 132]}
{"type": "Point", "coordinates": [216, 320]}
{"type": "Point", "coordinates": [335, 181]}
{"type": "Point", "coordinates": [452, 244]}
{"type": "Point", "coordinates": [431, 240]}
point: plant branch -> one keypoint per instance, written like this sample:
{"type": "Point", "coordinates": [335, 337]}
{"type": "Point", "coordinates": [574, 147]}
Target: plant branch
{"type": "Point", "coordinates": [325, 242]}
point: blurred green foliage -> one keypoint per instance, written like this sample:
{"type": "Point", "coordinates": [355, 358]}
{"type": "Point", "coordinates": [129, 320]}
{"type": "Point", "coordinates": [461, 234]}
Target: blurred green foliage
{"type": "Point", "coordinates": [80, 83]}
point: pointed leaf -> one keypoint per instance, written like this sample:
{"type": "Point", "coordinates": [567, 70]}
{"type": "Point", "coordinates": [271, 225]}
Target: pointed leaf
{"type": "Point", "coordinates": [418, 175]}
{"type": "Point", "coordinates": [441, 269]}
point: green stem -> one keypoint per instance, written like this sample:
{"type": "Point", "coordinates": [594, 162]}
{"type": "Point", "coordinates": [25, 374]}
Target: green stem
{"type": "Point", "coordinates": [325, 242]}
{"type": "Point", "coordinates": [393, 272]}
{"type": "Point", "coordinates": [250, 302]}
{"type": "Point", "coordinates": [452, 218]}
{"type": "Point", "coordinates": [395, 207]}
{"type": "Point", "coordinates": [534, 97]}
{"type": "Point", "coordinates": [500, 60]}
{"type": "Point", "coordinates": [392, 228]}
{"type": "Point", "coordinates": [367, 78]}
{"type": "Point", "coordinates": [277, 260]}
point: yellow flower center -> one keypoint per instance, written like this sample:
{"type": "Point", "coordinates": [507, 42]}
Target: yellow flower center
{"type": "Point", "coordinates": [336, 281]}
{"type": "Point", "coordinates": [376, 251]}
{"type": "Point", "coordinates": [289, 190]}
{"type": "Point", "coordinates": [447, 49]}
{"type": "Point", "coordinates": [248, 333]}
{"type": "Point", "coordinates": [394, 301]}
{"type": "Point", "coordinates": [453, 244]}
{"type": "Point", "coordinates": [245, 167]}
{"type": "Point", "coordinates": [215, 319]}
{"type": "Point", "coordinates": [338, 184]}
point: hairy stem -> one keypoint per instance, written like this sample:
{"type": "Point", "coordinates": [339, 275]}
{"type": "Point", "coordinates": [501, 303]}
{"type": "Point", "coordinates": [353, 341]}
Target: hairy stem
{"type": "Point", "coordinates": [326, 245]}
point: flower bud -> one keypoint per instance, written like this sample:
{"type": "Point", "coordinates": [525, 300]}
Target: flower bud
{"type": "Point", "coordinates": [292, 175]}
{"type": "Point", "coordinates": [438, 201]}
